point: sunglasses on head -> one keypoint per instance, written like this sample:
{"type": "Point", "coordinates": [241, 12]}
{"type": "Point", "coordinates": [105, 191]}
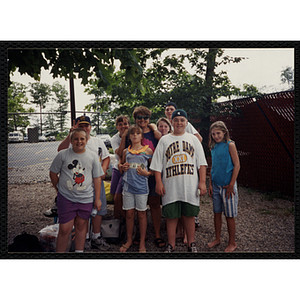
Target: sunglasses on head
{"type": "Point", "coordinates": [142, 117]}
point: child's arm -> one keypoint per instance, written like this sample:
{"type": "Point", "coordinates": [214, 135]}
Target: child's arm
{"type": "Point", "coordinates": [159, 187]}
{"type": "Point", "coordinates": [210, 189]}
{"type": "Point", "coordinates": [236, 169]}
{"type": "Point", "coordinates": [157, 134]}
{"type": "Point", "coordinates": [144, 171]}
{"type": "Point", "coordinates": [54, 179]}
{"type": "Point", "coordinates": [66, 142]}
{"type": "Point", "coordinates": [123, 165]}
{"type": "Point", "coordinates": [202, 180]}
{"type": "Point", "coordinates": [119, 151]}
{"type": "Point", "coordinates": [105, 165]}
{"type": "Point", "coordinates": [97, 187]}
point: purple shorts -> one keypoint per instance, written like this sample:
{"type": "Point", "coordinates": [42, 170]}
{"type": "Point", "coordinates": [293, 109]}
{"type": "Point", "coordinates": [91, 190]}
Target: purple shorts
{"type": "Point", "coordinates": [68, 210]}
{"type": "Point", "coordinates": [116, 182]}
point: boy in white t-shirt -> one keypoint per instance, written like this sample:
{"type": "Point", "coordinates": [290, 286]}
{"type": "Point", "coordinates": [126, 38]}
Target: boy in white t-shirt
{"type": "Point", "coordinates": [76, 175]}
{"type": "Point", "coordinates": [177, 160]}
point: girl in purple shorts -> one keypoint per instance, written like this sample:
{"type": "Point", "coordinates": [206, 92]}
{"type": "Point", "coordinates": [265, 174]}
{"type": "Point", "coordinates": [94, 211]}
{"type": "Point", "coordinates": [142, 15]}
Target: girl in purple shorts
{"type": "Point", "coordinates": [76, 175]}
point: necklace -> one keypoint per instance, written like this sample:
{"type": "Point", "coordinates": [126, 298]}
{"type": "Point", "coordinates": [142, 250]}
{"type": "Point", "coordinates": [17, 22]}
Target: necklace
{"type": "Point", "coordinates": [143, 149]}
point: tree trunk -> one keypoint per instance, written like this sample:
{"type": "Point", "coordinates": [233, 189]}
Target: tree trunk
{"type": "Point", "coordinates": [210, 68]}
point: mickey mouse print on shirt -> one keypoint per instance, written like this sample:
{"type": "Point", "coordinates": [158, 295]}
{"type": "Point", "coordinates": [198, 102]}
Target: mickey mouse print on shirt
{"type": "Point", "coordinates": [78, 176]}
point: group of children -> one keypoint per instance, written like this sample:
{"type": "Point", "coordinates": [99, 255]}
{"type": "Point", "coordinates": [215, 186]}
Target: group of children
{"type": "Point", "coordinates": [156, 164]}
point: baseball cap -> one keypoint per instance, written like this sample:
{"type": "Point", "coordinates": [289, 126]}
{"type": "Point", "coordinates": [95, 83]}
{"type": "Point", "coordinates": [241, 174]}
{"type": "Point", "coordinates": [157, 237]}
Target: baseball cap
{"type": "Point", "coordinates": [179, 113]}
{"type": "Point", "coordinates": [83, 120]}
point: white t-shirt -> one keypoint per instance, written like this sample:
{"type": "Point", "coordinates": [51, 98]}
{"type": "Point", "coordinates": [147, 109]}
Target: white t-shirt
{"type": "Point", "coordinates": [178, 158]}
{"type": "Point", "coordinates": [76, 174]}
{"type": "Point", "coordinates": [115, 144]}
{"type": "Point", "coordinates": [97, 146]}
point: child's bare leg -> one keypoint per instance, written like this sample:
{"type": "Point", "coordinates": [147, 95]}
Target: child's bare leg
{"type": "Point", "coordinates": [189, 226]}
{"type": "Point", "coordinates": [118, 211]}
{"type": "Point", "coordinates": [80, 233]}
{"type": "Point", "coordinates": [171, 231]}
{"type": "Point", "coordinates": [231, 231]}
{"type": "Point", "coordinates": [142, 217]}
{"type": "Point", "coordinates": [129, 228]}
{"type": "Point", "coordinates": [63, 236]}
{"type": "Point", "coordinates": [218, 226]}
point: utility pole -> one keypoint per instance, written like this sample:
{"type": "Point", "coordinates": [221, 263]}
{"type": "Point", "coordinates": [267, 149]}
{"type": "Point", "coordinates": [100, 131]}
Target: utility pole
{"type": "Point", "coordinates": [72, 100]}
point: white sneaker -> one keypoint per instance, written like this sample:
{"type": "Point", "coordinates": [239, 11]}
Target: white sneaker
{"type": "Point", "coordinates": [100, 243]}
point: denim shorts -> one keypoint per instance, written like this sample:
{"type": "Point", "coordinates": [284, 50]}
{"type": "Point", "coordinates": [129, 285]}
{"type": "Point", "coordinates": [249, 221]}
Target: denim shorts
{"type": "Point", "coordinates": [223, 204]}
{"type": "Point", "coordinates": [68, 210]}
{"type": "Point", "coordinates": [134, 201]}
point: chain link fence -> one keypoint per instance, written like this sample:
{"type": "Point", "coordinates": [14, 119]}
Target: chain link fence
{"type": "Point", "coordinates": [29, 160]}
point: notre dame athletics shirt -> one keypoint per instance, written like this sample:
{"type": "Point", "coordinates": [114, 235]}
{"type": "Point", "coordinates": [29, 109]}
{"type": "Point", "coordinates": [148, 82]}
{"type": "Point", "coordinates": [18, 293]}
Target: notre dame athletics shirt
{"type": "Point", "coordinates": [178, 158]}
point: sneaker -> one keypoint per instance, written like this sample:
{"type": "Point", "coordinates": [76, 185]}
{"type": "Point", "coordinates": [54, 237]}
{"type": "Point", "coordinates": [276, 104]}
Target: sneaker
{"type": "Point", "coordinates": [87, 245]}
{"type": "Point", "coordinates": [169, 249]}
{"type": "Point", "coordinates": [50, 214]}
{"type": "Point", "coordinates": [100, 243]}
{"type": "Point", "coordinates": [192, 248]}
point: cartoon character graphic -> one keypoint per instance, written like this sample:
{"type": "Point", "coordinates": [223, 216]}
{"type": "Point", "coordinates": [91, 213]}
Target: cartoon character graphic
{"type": "Point", "coordinates": [78, 175]}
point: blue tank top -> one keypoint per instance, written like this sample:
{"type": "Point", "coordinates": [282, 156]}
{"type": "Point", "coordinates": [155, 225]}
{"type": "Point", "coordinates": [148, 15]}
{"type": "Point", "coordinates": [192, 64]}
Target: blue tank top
{"type": "Point", "coordinates": [132, 182]}
{"type": "Point", "coordinates": [222, 165]}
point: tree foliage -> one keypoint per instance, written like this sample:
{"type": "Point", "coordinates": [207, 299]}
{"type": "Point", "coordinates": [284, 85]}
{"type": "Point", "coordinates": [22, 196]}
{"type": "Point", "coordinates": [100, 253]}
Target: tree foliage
{"type": "Point", "coordinates": [82, 63]}
{"type": "Point", "coordinates": [61, 98]}
{"type": "Point", "coordinates": [287, 75]}
{"type": "Point", "coordinates": [41, 94]}
{"type": "Point", "coordinates": [16, 101]}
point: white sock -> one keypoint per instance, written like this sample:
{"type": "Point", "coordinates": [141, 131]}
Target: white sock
{"type": "Point", "coordinates": [95, 235]}
{"type": "Point", "coordinates": [78, 251]}
{"type": "Point", "coordinates": [87, 236]}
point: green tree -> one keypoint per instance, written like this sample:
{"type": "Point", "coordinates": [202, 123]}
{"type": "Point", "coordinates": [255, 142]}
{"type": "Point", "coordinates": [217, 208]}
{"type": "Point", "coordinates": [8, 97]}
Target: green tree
{"type": "Point", "coordinates": [61, 99]}
{"type": "Point", "coordinates": [167, 78]}
{"type": "Point", "coordinates": [41, 93]}
{"type": "Point", "coordinates": [16, 101]}
{"type": "Point", "coordinates": [287, 75]}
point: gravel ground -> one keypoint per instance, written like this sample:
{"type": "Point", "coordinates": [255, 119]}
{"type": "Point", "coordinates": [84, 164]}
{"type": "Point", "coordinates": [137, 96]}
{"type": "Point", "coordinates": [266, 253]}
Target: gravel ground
{"type": "Point", "coordinates": [263, 225]}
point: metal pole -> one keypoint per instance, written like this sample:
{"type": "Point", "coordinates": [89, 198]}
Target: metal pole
{"type": "Point", "coordinates": [72, 100]}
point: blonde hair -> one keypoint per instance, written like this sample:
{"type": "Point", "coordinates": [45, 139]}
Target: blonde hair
{"type": "Point", "coordinates": [77, 130]}
{"type": "Point", "coordinates": [221, 126]}
{"type": "Point", "coordinates": [166, 121]}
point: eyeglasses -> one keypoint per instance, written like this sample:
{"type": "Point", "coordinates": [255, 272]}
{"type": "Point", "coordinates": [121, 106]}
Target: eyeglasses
{"type": "Point", "coordinates": [142, 117]}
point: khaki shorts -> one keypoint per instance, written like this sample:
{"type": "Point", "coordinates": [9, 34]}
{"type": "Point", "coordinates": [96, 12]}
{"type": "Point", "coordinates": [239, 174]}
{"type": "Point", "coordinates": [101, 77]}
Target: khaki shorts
{"type": "Point", "coordinates": [178, 209]}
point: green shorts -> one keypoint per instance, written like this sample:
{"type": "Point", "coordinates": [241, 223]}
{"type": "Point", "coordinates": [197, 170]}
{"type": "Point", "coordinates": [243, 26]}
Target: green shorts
{"type": "Point", "coordinates": [177, 209]}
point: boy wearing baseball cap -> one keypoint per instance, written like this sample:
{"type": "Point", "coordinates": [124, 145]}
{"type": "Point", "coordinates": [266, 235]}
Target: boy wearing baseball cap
{"type": "Point", "coordinates": [177, 161]}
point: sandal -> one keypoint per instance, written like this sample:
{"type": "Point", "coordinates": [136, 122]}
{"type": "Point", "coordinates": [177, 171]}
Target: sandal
{"type": "Point", "coordinates": [160, 243]}
{"type": "Point", "coordinates": [124, 247]}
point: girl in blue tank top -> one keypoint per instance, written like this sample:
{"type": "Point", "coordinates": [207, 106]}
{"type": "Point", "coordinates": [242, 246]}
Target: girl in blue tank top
{"type": "Point", "coordinates": [134, 164]}
{"type": "Point", "coordinates": [222, 184]}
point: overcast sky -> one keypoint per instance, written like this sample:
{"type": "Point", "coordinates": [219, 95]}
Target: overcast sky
{"type": "Point", "coordinates": [262, 68]}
